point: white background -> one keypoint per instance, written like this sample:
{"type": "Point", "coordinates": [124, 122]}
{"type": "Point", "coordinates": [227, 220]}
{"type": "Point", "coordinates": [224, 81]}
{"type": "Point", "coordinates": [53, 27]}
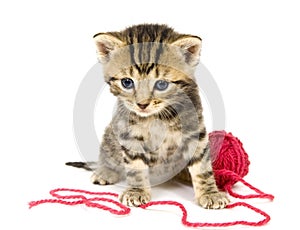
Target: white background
{"type": "Point", "coordinates": [46, 48]}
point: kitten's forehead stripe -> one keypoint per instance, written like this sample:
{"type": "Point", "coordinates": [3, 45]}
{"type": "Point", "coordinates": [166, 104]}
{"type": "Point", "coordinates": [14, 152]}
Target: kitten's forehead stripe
{"type": "Point", "coordinates": [158, 52]}
{"type": "Point", "coordinates": [138, 69]}
{"type": "Point", "coordinates": [130, 70]}
{"type": "Point", "coordinates": [140, 54]}
{"type": "Point", "coordinates": [131, 50]}
{"type": "Point", "coordinates": [157, 72]}
{"type": "Point", "coordinates": [150, 67]}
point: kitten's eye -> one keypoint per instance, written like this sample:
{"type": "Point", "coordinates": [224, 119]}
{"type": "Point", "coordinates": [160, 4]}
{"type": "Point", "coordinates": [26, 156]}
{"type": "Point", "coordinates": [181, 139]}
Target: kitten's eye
{"type": "Point", "coordinates": [127, 83]}
{"type": "Point", "coordinates": [161, 85]}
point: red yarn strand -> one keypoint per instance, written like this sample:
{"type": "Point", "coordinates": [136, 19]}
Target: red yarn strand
{"type": "Point", "coordinates": [228, 187]}
{"type": "Point", "coordinates": [124, 210]}
{"type": "Point", "coordinates": [89, 202]}
{"type": "Point", "coordinates": [259, 194]}
{"type": "Point", "coordinates": [185, 222]}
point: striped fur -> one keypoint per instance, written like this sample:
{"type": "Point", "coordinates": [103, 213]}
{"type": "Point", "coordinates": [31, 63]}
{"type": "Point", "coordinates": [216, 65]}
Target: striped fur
{"type": "Point", "coordinates": [155, 134]}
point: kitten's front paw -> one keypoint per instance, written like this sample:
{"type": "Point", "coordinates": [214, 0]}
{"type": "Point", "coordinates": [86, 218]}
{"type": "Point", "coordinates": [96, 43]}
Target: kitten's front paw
{"type": "Point", "coordinates": [135, 197]}
{"type": "Point", "coordinates": [213, 201]}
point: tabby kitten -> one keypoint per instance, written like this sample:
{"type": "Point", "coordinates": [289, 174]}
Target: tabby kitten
{"type": "Point", "coordinates": [158, 130]}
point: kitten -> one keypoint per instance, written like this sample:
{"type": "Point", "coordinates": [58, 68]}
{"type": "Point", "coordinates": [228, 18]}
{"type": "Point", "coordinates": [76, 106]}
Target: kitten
{"type": "Point", "coordinates": [158, 130]}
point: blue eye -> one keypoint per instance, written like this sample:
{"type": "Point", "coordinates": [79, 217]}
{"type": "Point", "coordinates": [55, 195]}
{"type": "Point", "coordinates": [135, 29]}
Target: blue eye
{"type": "Point", "coordinates": [127, 83]}
{"type": "Point", "coordinates": [161, 85]}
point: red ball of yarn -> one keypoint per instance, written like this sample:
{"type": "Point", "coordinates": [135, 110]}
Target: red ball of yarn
{"type": "Point", "coordinates": [228, 155]}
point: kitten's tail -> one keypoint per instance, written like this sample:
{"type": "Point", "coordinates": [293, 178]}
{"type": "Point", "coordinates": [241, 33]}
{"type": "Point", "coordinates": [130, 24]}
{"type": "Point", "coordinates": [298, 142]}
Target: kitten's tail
{"type": "Point", "coordinates": [90, 166]}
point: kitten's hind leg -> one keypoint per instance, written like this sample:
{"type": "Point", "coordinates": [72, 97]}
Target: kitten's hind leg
{"type": "Point", "coordinates": [105, 176]}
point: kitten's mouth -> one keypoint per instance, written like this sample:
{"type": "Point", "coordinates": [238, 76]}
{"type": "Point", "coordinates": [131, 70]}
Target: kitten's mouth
{"type": "Point", "coordinates": [144, 112]}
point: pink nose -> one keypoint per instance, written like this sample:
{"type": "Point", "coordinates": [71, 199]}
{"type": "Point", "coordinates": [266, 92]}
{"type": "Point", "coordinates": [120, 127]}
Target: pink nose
{"type": "Point", "coordinates": [142, 106]}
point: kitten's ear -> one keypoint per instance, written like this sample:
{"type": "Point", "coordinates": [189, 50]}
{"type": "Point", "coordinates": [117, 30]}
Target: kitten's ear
{"type": "Point", "coordinates": [105, 44]}
{"type": "Point", "coordinates": [190, 47]}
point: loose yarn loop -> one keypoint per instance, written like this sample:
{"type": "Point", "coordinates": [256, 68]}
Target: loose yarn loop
{"type": "Point", "coordinates": [124, 210]}
{"type": "Point", "coordinates": [81, 199]}
{"type": "Point", "coordinates": [231, 163]}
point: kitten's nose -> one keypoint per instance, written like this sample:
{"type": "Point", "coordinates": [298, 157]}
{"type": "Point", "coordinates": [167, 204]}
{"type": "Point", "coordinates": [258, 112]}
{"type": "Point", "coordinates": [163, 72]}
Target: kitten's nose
{"type": "Point", "coordinates": [143, 106]}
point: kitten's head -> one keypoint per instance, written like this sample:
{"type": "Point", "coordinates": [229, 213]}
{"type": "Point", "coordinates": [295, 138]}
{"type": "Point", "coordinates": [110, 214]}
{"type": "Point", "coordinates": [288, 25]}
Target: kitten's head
{"type": "Point", "coordinates": [149, 67]}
